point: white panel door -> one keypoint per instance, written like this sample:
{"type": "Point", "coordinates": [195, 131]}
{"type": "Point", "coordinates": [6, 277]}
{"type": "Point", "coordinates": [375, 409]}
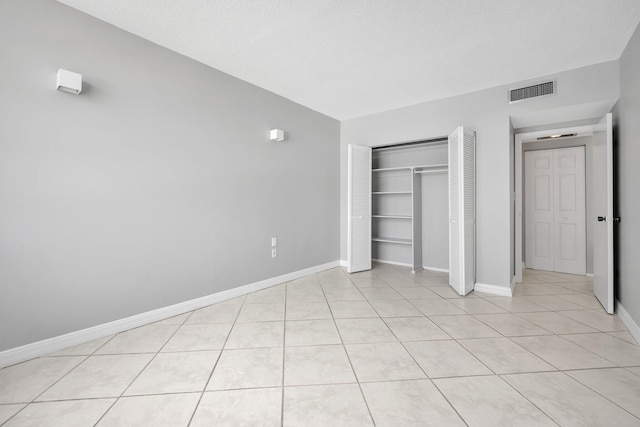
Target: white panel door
{"type": "Point", "coordinates": [538, 190]}
{"type": "Point", "coordinates": [555, 227]}
{"type": "Point", "coordinates": [570, 238]}
{"type": "Point", "coordinates": [359, 209]}
{"type": "Point", "coordinates": [603, 207]}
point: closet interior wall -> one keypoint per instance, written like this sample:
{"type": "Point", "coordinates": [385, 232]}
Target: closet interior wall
{"type": "Point", "coordinates": [409, 209]}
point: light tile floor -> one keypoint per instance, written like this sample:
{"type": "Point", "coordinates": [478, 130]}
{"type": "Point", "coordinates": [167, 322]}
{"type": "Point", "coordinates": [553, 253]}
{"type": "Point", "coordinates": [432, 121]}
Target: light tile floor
{"type": "Point", "coordinates": [383, 347]}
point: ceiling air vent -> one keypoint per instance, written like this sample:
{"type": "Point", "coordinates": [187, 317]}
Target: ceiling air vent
{"type": "Point", "coordinates": [541, 89]}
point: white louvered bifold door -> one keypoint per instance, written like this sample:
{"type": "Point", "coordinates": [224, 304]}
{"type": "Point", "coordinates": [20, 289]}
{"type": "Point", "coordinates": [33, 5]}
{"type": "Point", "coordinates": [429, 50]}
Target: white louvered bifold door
{"type": "Point", "coordinates": [462, 210]}
{"type": "Point", "coordinates": [359, 209]}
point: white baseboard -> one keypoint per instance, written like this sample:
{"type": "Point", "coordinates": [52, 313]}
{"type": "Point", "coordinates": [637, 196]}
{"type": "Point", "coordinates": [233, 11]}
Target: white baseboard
{"type": "Point", "coordinates": [343, 263]}
{"type": "Point", "coordinates": [589, 275]}
{"type": "Point", "coordinates": [40, 348]}
{"type": "Point", "coordinates": [502, 291]}
{"type": "Point", "coordinates": [631, 325]}
{"type": "Point", "coordinates": [402, 264]}
{"type": "Point", "coordinates": [444, 270]}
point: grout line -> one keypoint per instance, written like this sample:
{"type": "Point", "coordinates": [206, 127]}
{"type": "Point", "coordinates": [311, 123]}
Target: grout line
{"type": "Point", "coordinates": [284, 347]}
{"type": "Point", "coordinates": [344, 348]}
{"type": "Point", "coordinates": [204, 389]}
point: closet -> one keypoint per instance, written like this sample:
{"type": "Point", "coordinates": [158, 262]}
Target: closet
{"type": "Point", "coordinates": [413, 204]}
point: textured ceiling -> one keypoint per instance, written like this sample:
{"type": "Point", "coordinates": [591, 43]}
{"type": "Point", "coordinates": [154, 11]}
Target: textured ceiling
{"type": "Point", "coordinates": [349, 58]}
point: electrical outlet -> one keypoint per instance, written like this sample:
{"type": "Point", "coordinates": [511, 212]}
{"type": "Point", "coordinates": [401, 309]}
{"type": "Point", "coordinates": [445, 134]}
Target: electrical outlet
{"type": "Point", "coordinates": [274, 242]}
{"type": "Point", "coordinates": [274, 252]}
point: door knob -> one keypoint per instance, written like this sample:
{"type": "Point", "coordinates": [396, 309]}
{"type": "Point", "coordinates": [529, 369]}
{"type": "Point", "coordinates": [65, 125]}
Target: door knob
{"type": "Point", "coordinates": [602, 218]}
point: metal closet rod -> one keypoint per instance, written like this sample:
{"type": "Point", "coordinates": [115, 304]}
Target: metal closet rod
{"type": "Point", "coordinates": [435, 141]}
{"type": "Point", "coordinates": [432, 171]}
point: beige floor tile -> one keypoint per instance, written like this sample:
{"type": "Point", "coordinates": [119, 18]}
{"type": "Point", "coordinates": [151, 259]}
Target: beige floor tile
{"type": "Point", "coordinates": [25, 381]}
{"type": "Point", "coordinates": [515, 304]}
{"type": "Point", "coordinates": [355, 331]}
{"type": "Point", "coordinates": [369, 282]}
{"type": "Point", "coordinates": [556, 323]}
{"type": "Point", "coordinates": [343, 294]}
{"type": "Point", "coordinates": [311, 332]}
{"type": "Point", "coordinates": [175, 320]}
{"type": "Point", "coordinates": [561, 353]}
{"type": "Point", "coordinates": [409, 403]}
{"type": "Point", "coordinates": [445, 359]}
{"type": "Point", "coordinates": [634, 370]}
{"type": "Point", "coordinates": [568, 402]}
{"type": "Point", "coordinates": [395, 308]}
{"type": "Point", "coordinates": [259, 334]}
{"type": "Point", "coordinates": [250, 407]}
{"type": "Point", "coordinates": [416, 292]}
{"type": "Point", "coordinates": [247, 368]}
{"type": "Point", "coordinates": [167, 410]}
{"type": "Point", "coordinates": [317, 365]}
{"type": "Point", "coordinates": [503, 356]}
{"type": "Point", "coordinates": [224, 312]}
{"type": "Point", "coordinates": [325, 405]}
{"type": "Point", "coordinates": [198, 337]}
{"type": "Point", "coordinates": [596, 319]}
{"type": "Point", "coordinates": [415, 329]}
{"type": "Point", "coordinates": [86, 349]}
{"type": "Point", "coordinates": [614, 384]}
{"type": "Point", "coordinates": [145, 339]}
{"type": "Point", "coordinates": [511, 325]}
{"type": "Point", "coordinates": [315, 310]}
{"type": "Point", "coordinates": [477, 306]}
{"type": "Point", "coordinates": [306, 293]}
{"type": "Point", "coordinates": [436, 307]}
{"type": "Point", "coordinates": [383, 362]}
{"type": "Point", "coordinates": [8, 411]}
{"type": "Point", "coordinates": [261, 312]}
{"type": "Point", "coordinates": [553, 302]}
{"type": "Point", "coordinates": [445, 291]}
{"type": "Point", "coordinates": [464, 326]}
{"type": "Point", "coordinates": [624, 336]}
{"type": "Point", "coordinates": [380, 294]}
{"type": "Point", "coordinates": [98, 376]}
{"type": "Point", "coordinates": [272, 295]}
{"type": "Point", "coordinates": [617, 351]}
{"type": "Point", "coordinates": [62, 414]}
{"type": "Point", "coordinates": [489, 401]}
{"type": "Point", "coordinates": [351, 309]}
{"type": "Point", "coordinates": [175, 373]}
{"type": "Point", "coordinates": [587, 301]}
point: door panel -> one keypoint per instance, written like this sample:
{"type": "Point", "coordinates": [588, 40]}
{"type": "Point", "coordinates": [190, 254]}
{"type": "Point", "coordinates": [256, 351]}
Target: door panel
{"type": "Point", "coordinates": [603, 207]}
{"type": "Point", "coordinates": [359, 209]}
{"type": "Point", "coordinates": [539, 209]}
{"type": "Point", "coordinates": [555, 228]}
{"type": "Point", "coordinates": [569, 215]}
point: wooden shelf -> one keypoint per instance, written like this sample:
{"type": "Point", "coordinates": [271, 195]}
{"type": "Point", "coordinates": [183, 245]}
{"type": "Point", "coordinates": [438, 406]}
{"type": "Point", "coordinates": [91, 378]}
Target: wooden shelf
{"type": "Point", "coordinates": [392, 240]}
{"type": "Point", "coordinates": [392, 216]}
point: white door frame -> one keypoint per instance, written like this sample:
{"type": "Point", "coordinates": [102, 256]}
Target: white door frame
{"type": "Point", "coordinates": [520, 139]}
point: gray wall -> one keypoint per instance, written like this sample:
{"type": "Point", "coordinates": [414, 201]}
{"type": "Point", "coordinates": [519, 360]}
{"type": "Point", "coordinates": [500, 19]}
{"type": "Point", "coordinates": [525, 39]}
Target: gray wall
{"type": "Point", "coordinates": [627, 175]}
{"type": "Point", "coordinates": [488, 113]}
{"type": "Point", "coordinates": [155, 186]}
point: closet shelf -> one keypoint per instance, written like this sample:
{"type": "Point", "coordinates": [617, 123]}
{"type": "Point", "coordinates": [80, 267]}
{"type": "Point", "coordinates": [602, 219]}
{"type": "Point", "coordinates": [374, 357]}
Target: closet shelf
{"type": "Point", "coordinates": [392, 216]}
{"type": "Point", "coordinates": [416, 168]}
{"type": "Point", "coordinates": [378, 193]}
{"type": "Point", "coordinates": [392, 240]}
